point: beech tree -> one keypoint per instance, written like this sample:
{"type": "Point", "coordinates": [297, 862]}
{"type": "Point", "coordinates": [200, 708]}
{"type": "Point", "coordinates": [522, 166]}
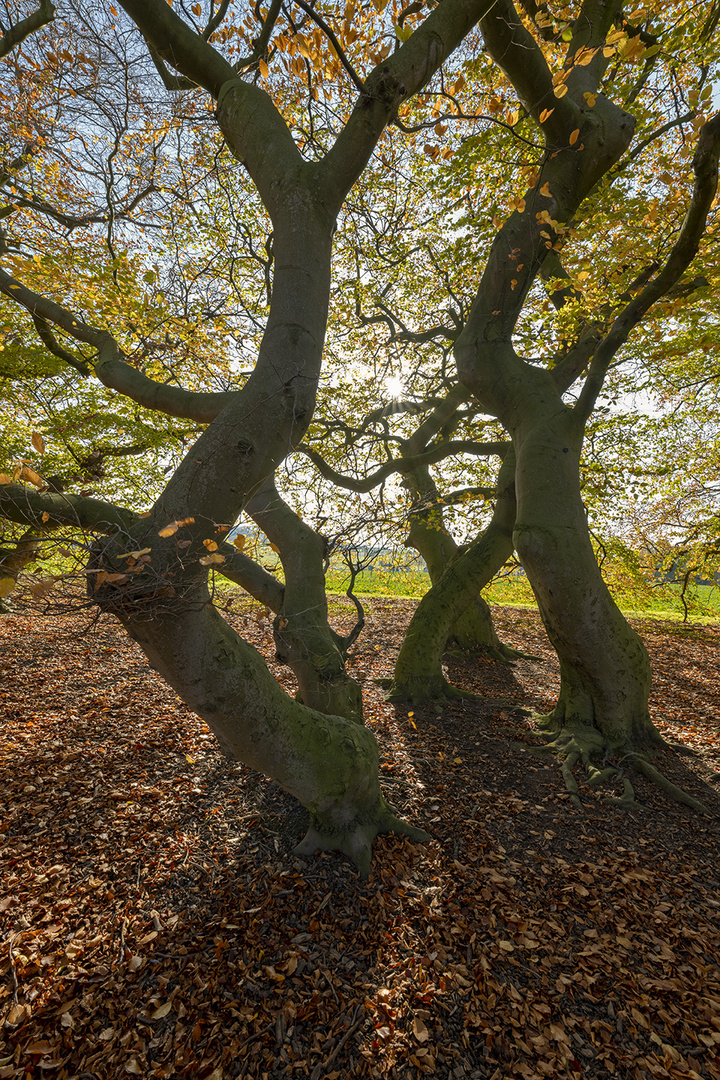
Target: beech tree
{"type": "Point", "coordinates": [302, 99]}
{"type": "Point", "coordinates": [151, 572]}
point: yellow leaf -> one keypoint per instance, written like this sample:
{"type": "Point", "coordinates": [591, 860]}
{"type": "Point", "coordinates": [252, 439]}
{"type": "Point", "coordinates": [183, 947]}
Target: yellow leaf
{"type": "Point", "coordinates": [5, 479]}
{"type": "Point", "coordinates": [263, 68]}
{"type": "Point", "coordinates": [239, 542]}
{"type": "Point", "coordinates": [38, 442]}
{"type": "Point", "coordinates": [135, 554]}
{"type": "Point", "coordinates": [545, 114]}
{"type": "Point", "coordinates": [31, 476]}
{"type": "Point", "coordinates": [275, 548]}
{"type": "Point", "coordinates": [545, 190]}
{"type": "Point", "coordinates": [584, 56]}
{"type": "Point", "coordinates": [210, 545]}
{"type": "Point", "coordinates": [208, 560]}
{"type": "Point", "coordinates": [7, 584]}
{"type": "Point", "coordinates": [190, 759]}
{"type": "Point", "coordinates": [574, 136]}
{"type": "Point", "coordinates": [173, 527]}
{"type": "Point", "coordinates": [583, 274]}
{"type": "Point", "coordinates": [560, 91]}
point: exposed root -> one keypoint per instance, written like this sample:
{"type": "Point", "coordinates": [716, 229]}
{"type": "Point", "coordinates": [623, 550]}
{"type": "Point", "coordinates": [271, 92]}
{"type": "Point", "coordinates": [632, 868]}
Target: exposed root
{"type": "Point", "coordinates": [428, 692]}
{"type": "Point", "coordinates": [581, 744]}
{"type": "Point", "coordinates": [356, 839]}
{"type": "Point", "coordinates": [643, 765]}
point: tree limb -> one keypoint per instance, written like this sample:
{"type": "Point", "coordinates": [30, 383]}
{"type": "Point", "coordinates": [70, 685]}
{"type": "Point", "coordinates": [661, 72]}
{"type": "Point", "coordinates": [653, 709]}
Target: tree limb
{"type": "Point", "coordinates": [110, 368]}
{"type": "Point", "coordinates": [17, 33]}
{"type": "Point", "coordinates": [402, 465]}
{"type": "Point", "coordinates": [705, 167]}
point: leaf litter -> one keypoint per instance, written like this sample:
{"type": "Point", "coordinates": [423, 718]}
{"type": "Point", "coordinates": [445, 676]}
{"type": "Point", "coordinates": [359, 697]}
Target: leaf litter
{"type": "Point", "coordinates": [153, 921]}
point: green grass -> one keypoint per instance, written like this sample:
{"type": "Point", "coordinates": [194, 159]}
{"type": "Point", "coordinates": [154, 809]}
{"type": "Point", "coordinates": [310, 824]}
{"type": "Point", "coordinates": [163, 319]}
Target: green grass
{"type": "Point", "coordinates": [661, 602]}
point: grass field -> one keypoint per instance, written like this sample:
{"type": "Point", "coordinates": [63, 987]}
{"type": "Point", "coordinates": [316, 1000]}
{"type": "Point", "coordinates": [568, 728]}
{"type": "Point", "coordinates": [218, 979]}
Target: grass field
{"type": "Point", "coordinates": [661, 602]}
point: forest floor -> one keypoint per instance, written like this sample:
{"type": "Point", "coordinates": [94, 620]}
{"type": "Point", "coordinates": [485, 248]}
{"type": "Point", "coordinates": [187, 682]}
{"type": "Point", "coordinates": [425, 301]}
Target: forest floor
{"type": "Point", "coordinates": [155, 923]}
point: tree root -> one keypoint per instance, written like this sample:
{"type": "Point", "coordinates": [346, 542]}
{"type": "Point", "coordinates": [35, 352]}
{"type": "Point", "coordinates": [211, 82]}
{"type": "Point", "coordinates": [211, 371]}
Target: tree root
{"type": "Point", "coordinates": [643, 765]}
{"type": "Point", "coordinates": [428, 692]}
{"type": "Point", "coordinates": [580, 744]}
{"type": "Point", "coordinates": [355, 840]}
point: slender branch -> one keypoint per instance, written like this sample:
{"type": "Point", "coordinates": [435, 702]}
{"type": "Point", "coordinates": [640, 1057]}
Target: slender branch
{"type": "Point", "coordinates": [263, 39]}
{"type": "Point", "coordinates": [17, 33]}
{"type": "Point", "coordinates": [52, 344]}
{"type": "Point", "coordinates": [327, 30]}
{"type": "Point", "coordinates": [402, 465]}
{"type": "Point", "coordinates": [170, 81]}
{"type": "Point", "coordinates": [705, 167]}
{"type": "Point", "coordinates": [111, 369]}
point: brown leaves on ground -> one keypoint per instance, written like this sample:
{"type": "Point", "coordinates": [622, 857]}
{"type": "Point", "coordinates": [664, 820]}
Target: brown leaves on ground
{"type": "Point", "coordinates": [155, 923]}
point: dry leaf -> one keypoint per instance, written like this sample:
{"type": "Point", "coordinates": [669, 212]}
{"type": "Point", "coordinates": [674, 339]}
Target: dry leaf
{"type": "Point", "coordinates": [209, 560]}
{"type": "Point", "coordinates": [172, 528]}
{"type": "Point", "coordinates": [419, 1030]}
{"type": "Point", "coordinates": [38, 442]}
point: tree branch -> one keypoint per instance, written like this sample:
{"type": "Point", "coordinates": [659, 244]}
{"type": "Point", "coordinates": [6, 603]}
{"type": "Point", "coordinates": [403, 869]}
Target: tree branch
{"type": "Point", "coordinates": [17, 33]}
{"type": "Point", "coordinates": [705, 167]}
{"type": "Point", "coordinates": [28, 507]}
{"type": "Point", "coordinates": [110, 368]}
{"type": "Point", "coordinates": [402, 465]}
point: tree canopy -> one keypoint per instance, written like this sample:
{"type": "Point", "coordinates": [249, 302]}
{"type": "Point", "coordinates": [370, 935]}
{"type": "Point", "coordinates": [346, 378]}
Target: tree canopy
{"type": "Point", "coordinates": [230, 235]}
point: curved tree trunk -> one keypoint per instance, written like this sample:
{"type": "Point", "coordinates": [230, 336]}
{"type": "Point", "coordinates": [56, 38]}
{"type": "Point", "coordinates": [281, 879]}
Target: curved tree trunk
{"type": "Point", "coordinates": [418, 670]}
{"type": "Point", "coordinates": [473, 628]}
{"type": "Point", "coordinates": [330, 764]}
{"type": "Point", "coordinates": [303, 637]}
{"type": "Point", "coordinates": [605, 669]}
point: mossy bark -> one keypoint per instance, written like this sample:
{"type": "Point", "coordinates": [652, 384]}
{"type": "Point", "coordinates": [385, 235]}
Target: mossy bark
{"type": "Point", "coordinates": [418, 673]}
{"type": "Point", "coordinates": [473, 627]}
{"type": "Point", "coordinates": [604, 666]}
{"type": "Point", "coordinates": [329, 763]}
{"type": "Point", "coordinates": [303, 637]}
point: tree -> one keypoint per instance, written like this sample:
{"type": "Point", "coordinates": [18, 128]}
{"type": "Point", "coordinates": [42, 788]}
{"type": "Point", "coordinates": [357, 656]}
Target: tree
{"type": "Point", "coordinates": [304, 143]}
{"type": "Point", "coordinates": [151, 572]}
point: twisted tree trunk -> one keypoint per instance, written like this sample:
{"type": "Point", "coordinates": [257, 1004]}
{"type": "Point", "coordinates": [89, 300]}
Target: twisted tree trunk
{"type": "Point", "coordinates": [418, 671]}
{"type": "Point", "coordinates": [303, 637]}
{"type": "Point", "coordinates": [473, 628]}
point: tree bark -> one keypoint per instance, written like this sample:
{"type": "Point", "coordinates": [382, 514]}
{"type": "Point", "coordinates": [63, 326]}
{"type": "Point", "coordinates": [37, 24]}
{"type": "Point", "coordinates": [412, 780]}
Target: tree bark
{"type": "Point", "coordinates": [303, 637]}
{"type": "Point", "coordinates": [329, 763]}
{"type": "Point", "coordinates": [605, 669]}
{"type": "Point", "coordinates": [418, 671]}
{"type": "Point", "coordinates": [473, 628]}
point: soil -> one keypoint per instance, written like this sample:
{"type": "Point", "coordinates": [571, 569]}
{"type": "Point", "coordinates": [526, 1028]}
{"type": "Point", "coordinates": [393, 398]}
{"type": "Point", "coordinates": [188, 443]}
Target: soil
{"type": "Point", "coordinates": [156, 923]}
